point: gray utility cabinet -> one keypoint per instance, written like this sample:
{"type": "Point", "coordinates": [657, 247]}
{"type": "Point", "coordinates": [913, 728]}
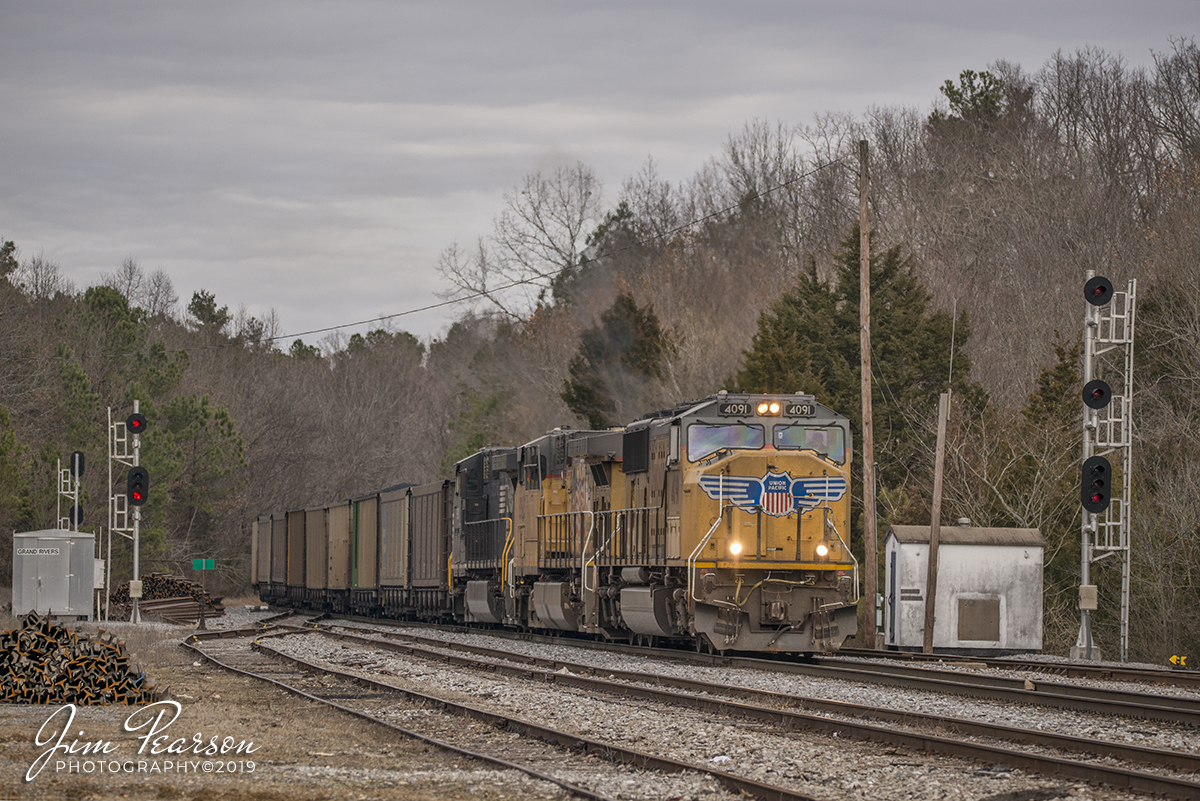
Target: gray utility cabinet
{"type": "Point", "coordinates": [53, 573]}
{"type": "Point", "coordinates": [989, 589]}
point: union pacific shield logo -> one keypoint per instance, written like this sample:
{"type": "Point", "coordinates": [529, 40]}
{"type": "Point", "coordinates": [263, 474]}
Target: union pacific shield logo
{"type": "Point", "coordinates": [777, 494]}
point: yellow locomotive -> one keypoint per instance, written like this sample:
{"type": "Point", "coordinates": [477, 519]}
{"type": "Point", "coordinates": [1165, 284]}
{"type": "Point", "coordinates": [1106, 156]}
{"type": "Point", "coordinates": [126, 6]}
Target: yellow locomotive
{"type": "Point", "coordinates": [723, 521]}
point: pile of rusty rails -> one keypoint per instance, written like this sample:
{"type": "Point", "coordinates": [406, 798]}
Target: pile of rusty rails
{"type": "Point", "coordinates": [43, 662]}
{"type": "Point", "coordinates": [172, 599]}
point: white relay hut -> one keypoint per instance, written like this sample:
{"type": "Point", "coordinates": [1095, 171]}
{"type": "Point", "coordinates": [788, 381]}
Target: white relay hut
{"type": "Point", "coordinates": [989, 589]}
{"type": "Point", "coordinates": [53, 573]}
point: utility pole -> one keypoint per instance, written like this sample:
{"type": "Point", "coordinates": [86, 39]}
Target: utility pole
{"type": "Point", "coordinates": [935, 523]}
{"type": "Point", "coordinates": [868, 434]}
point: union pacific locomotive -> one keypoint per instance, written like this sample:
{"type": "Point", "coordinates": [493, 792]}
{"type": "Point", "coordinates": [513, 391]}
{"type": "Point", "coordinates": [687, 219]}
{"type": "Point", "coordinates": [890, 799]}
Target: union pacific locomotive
{"type": "Point", "coordinates": [723, 522]}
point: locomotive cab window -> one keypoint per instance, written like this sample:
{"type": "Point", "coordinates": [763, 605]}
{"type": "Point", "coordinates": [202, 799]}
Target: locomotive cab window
{"type": "Point", "coordinates": [826, 441]}
{"type": "Point", "coordinates": [704, 440]}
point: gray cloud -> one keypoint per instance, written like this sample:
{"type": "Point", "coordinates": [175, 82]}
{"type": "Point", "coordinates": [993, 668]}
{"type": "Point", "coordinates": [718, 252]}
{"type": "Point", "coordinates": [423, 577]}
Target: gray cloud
{"type": "Point", "coordinates": [316, 157]}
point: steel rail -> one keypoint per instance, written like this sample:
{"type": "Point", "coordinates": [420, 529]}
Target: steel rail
{"type": "Point", "coordinates": [550, 670]}
{"type": "Point", "coordinates": [585, 745]}
{"type": "Point", "coordinates": [1074, 670]}
{"type": "Point", "coordinates": [533, 772]}
{"type": "Point", "coordinates": [1149, 706]}
{"type": "Point", "coordinates": [1129, 752]}
{"type": "Point", "coordinates": [1175, 709]}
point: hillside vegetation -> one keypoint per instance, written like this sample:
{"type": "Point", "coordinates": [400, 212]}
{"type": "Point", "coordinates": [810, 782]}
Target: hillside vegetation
{"type": "Point", "coordinates": [584, 307]}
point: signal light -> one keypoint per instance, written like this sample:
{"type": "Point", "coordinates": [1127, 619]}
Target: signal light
{"type": "Point", "coordinates": [137, 486]}
{"type": "Point", "coordinates": [1096, 394]}
{"type": "Point", "coordinates": [135, 423]}
{"type": "Point", "coordinates": [1094, 488]}
{"type": "Point", "coordinates": [1098, 291]}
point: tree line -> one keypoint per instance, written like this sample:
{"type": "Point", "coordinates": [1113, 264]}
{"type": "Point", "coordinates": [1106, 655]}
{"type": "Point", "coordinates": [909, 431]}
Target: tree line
{"type": "Point", "coordinates": [589, 310]}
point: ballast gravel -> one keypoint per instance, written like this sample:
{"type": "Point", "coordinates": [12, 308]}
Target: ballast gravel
{"type": "Point", "coordinates": [1151, 734]}
{"type": "Point", "coordinates": [823, 766]}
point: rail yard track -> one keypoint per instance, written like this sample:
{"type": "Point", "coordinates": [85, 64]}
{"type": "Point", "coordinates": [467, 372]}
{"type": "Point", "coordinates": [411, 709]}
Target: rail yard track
{"type": "Point", "coordinates": [1097, 700]}
{"type": "Point", "coordinates": [1054, 755]}
{"type": "Point", "coordinates": [1160, 676]}
{"type": "Point", "coordinates": [509, 742]}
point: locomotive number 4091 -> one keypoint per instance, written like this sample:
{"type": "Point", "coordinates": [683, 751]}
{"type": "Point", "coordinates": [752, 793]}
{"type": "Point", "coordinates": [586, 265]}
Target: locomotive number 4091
{"type": "Point", "coordinates": [736, 409]}
{"type": "Point", "coordinates": [744, 409]}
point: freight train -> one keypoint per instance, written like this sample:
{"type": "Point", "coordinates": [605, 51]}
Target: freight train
{"type": "Point", "coordinates": [722, 523]}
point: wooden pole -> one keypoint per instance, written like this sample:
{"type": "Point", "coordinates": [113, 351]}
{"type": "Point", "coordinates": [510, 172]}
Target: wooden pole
{"type": "Point", "coordinates": [935, 522]}
{"type": "Point", "coordinates": [870, 579]}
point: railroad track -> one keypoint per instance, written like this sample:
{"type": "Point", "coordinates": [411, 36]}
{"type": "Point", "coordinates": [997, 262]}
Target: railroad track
{"type": "Point", "coordinates": [778, 710]}
{"type": "Point", "coordinates": [509, 742]}
{"type": "Point", "coordinates": [1074, 670]}
{"type": "Point", "coordinates": [1091, 700]}
{"type": "Point", "coordinates": [1150, 706]}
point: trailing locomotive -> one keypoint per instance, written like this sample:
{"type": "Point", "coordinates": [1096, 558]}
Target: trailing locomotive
{"type": "Point", "coordinates": [723, 522]}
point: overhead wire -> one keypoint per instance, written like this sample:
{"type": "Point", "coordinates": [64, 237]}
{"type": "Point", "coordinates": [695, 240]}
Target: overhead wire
{"type": "Point", "coordinates": [533, 278]}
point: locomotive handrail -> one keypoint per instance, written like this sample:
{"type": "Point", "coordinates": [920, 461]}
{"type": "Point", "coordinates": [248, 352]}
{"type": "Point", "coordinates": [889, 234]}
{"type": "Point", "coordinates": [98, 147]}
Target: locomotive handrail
{"type": "Point", "coordinates": [506, 567]}
{"type": "Point", "coordinates": [596, 552]}
{"type": "Point", "coordinates": [541, 517]}
{"type": "Point", "coordinates": [620, 515]}
{"type": "Point", "coordinates": [469, 526]}
{"type": "Point", "coordinates": [845, 547]}
{"type": "Point", "coordinates": [691, 563]}
{"type": "Point", "coordinates": [583, 563]}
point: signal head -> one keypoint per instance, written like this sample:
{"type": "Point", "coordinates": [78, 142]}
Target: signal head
{"type": "Point", "coordinates": [1098, 290]}
{"type": "Point", "coordinates": [135, 423]}
{"type": "Point", "coordinates": [1094, 487]}
{"type": "Point", "coordinates": [1096, 394]}
{"type": "Point", "coordinates": [137, 486]}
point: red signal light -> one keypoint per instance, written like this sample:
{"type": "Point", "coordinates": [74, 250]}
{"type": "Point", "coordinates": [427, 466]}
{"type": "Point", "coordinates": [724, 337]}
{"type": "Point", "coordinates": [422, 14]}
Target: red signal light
{"type": "Point", "coordinates": [137, 483]}
{"type": "Point", "coordinates": [1096, 470]}
{"type": "Point", "coordinates": [1098, 290]}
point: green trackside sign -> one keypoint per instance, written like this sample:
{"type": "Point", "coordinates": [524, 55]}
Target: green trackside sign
{"type": "Point", "coordinates": [204, 564]}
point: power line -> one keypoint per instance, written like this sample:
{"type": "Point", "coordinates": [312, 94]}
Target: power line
{"type": "Point", "coordinates": [536, 276]}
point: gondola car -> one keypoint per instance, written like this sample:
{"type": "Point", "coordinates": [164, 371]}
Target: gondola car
{"type": "Point", "coordinates": [721, 523]}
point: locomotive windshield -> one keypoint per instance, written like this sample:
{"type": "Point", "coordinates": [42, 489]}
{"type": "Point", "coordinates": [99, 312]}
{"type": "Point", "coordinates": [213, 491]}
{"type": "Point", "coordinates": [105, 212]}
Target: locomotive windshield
{"type": "Point", "coordinates": [827, 441]}
{"type": "Point", "coordinates": [708, 439]}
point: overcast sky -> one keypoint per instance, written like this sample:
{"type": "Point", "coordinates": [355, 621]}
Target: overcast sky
{"type": "Point", "coordinates": [316, 157]}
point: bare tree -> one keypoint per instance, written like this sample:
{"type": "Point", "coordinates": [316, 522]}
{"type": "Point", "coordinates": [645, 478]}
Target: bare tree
{"type": "Point", "coordinates": [159, 297]}
{"type": "Point", "coordinates": [129, 279]}
{"type": "Point", "coordinates": [536, 242]}
{"type": "Point", "coordinates": [1177, 99]}
{"type": "Point", "coordinates": [42, 279]}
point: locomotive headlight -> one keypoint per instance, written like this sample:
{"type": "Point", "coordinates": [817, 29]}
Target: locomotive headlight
{"type": "Point", "coordinates": [735, 548]}
{"type": "Point", "coordinates": [822, 549]}
{"type": "Point", "coordinates": [768, 408]}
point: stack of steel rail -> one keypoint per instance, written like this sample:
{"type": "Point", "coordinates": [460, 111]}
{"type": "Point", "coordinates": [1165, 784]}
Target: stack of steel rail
{"type": "Point", "coordinates": [45, 663]}
{"type": "Point", "coordinates": [173, 599]}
